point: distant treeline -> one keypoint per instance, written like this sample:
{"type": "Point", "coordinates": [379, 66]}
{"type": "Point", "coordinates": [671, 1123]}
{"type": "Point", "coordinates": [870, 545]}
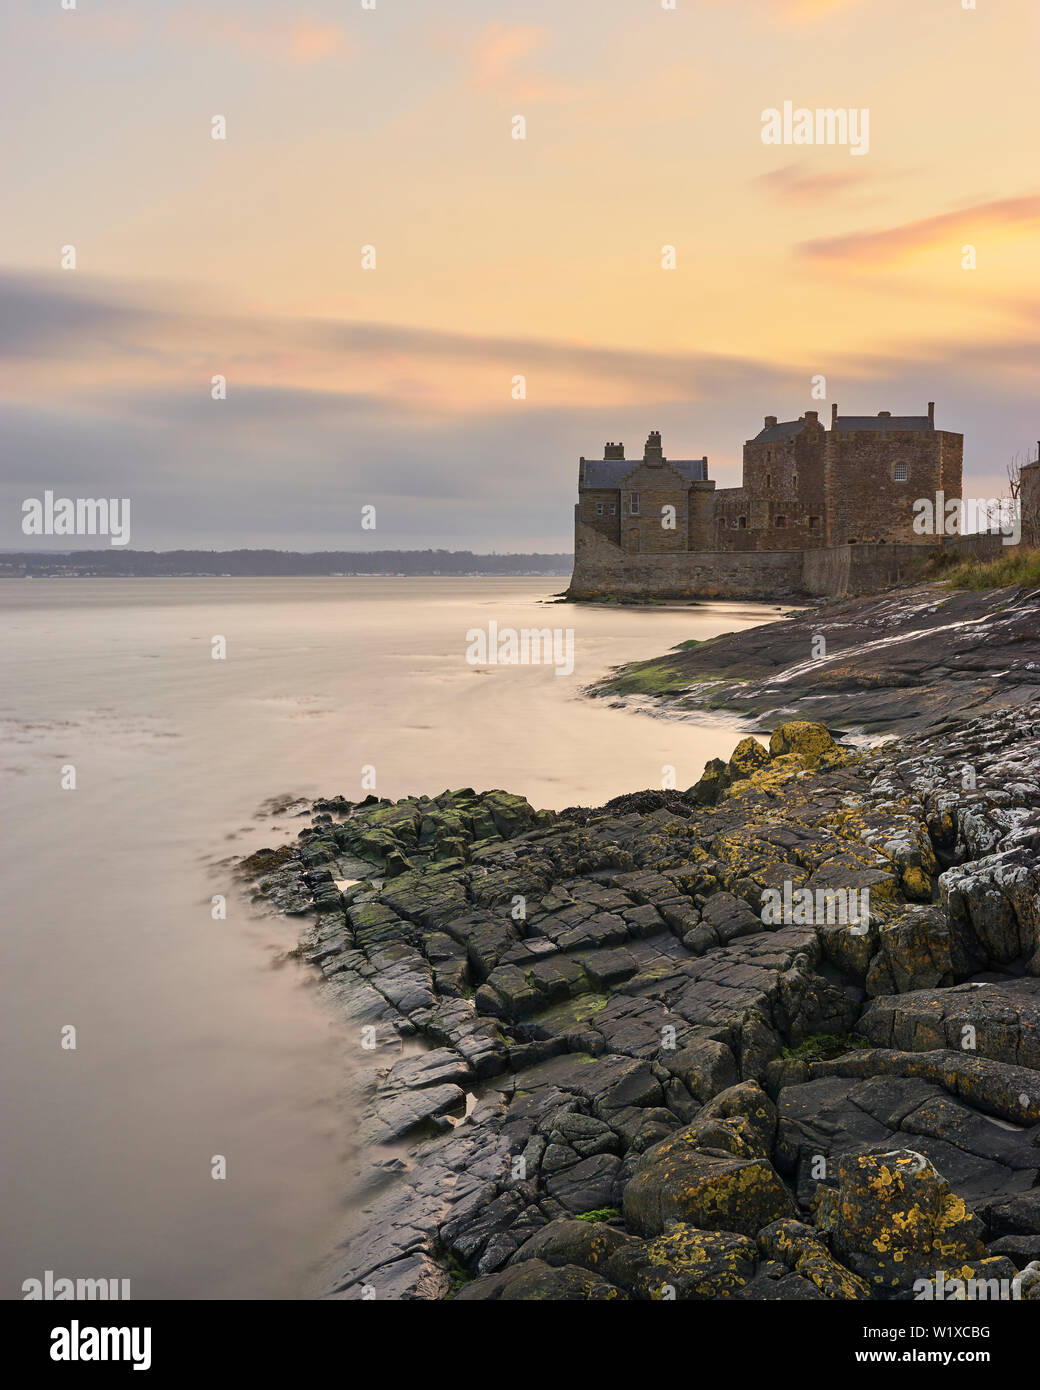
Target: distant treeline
{"type": "Point", "coordinates": [117, 562]}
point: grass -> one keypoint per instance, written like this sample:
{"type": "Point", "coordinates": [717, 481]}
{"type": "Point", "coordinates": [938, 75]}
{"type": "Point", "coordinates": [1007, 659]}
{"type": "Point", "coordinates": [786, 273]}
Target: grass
{"type": "Point", "coordinates": [458, 1273]}
{"type": "Point", "coordinates": [824, 1047]}
{"type": "Point", "coordinates": [657, 677]}
{"type": "Point", "coordinates": [1015, 567]}
{"type": "Point", "coordinates": [600, 1214]}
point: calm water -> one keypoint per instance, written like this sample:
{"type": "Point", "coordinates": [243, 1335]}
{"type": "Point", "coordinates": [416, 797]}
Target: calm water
{"type": "Point", "coordinates": [193, 1038]}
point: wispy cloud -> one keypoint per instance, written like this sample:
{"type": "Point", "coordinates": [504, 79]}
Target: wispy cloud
{"type": "Point", "coordinates": [293, 39]}
{"type": "Point", "coordinates": [499, 61]}
{"type": "Point", "coordinates": [964, 225]}
{"type": "Point", "coordinates": [799, 182]}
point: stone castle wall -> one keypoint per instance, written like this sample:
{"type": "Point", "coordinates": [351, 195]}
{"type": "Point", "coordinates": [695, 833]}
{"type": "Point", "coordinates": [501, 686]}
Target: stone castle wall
{"type": "Point", "coordinates": [603, 570]}
{"type": "Point", "coordinates": [864, 499]}
{"type": "Point", "coordinates": [1030, 501]}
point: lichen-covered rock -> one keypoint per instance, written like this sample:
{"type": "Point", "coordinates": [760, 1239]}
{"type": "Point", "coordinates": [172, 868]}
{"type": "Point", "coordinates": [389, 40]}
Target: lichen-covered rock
{"type": "Point", "coordinates": [803, 1250]}
{"type": "Point", "coordinates": [890, 1216]}
{"type": "Point", "coordinates": [746, 758]}
{"type": "Point", "coordinates": [807, 742]}
{"type": "Point", "coordinates": [707, 1188]}
{"type": "Point", "coordinates": [687, 1263]}
{"type": "Point", "coordinates": [913, 952]}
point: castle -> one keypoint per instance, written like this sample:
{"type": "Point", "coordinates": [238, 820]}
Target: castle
{"type": "Point", "coordinates": [818, 511]}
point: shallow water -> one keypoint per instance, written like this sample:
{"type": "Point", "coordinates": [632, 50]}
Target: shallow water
{"type": "Point", "coordinates": [193, 1037]}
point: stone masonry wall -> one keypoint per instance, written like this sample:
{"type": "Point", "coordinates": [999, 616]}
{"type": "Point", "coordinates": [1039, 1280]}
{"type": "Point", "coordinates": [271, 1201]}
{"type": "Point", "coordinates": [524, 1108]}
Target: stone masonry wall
{"type": "Point", "coordinates": [602, 570]}
{"type": "Point", "coordinates": [865, 502]}
{"type": "Point", "coordinates": [1030, 498]}
{"type": "Point", "coordinates": [657, 486]}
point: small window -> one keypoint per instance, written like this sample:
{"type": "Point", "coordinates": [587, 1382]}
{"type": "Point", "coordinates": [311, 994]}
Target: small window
{"type": "Point", "coordinates": [814, 523]}
{"type": "Point", "coordinates": [613, 509]}
{"type": "Point", "coordinates": [742, 522]}
{"type": "Point", "coordinates": [781, 522]}
{"type": "Point", "coordinates": [633, 504]}
{"type": "Point", "coordinates": [769, 480]}
{"type": "Point", "coordinates": [794, 479]}
{"type": "Point", "coordinates": [599, 508]}
{"type": "Point", "coordinates": [900, 472]}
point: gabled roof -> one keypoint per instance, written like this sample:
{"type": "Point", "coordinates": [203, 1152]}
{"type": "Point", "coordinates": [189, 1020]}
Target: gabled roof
{"type": "Point", "coordinates": [607, 473]}
{"type": "Point", "coordinates": [782, 431]}
{"type": "Point", "coordinates": [883, 422]}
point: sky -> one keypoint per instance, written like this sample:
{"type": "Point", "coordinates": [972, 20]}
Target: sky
{"type": "Point", "coordinates": [390, 125]}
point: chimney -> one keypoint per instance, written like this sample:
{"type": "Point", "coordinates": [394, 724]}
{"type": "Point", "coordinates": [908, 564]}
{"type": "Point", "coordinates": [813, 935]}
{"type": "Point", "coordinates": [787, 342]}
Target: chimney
{"type": "Point", "coordinates": [613, 451]}
{"type": "Point", "coordinates": [834, 413]}
{"type": "Point", "coordinates": [652, 452]}
{"type": "Point", "coordinates": [812, 417]}
{"type": "Point", "coordinates": [884, 415]}
{"type": "Point", "coordinates": [931, 413]}
{"type": "Point", "coordinates": [770, 421]}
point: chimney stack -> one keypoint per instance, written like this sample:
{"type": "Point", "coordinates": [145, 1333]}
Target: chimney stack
{"type": "Point", "coordinates": [834, 413]}
{"type": "Point", "coordinates": [931, 413]}
{"type": "Point", "coordinates": [812, 417]}
{"type": "Point", "coordinates": [770, 421]}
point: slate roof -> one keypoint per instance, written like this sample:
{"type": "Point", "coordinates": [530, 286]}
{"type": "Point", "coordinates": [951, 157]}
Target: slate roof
{"type": "Point", "coordinates": [883, 422]}
{"type": "Point", "coordinates": [607, 473]}
{"type": "Point", "coordinates": [781, 431]}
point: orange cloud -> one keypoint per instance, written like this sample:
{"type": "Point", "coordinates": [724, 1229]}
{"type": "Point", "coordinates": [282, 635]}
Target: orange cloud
{"type": "Point", "coordinates": [497, 60]}
{"type": "Point", "coordinates": [299, 40]}
{"type": "Point", "coordinates": [895, 243]}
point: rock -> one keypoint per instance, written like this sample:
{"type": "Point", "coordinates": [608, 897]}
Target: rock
{"type": "Point", "coordinates": [914, 952]}
{"type": "Point", "coordinates": [806, 742]}
{"type": "Point", "coordinates": [534, 1281]}
{"type": "Point", "coordinates": [709, 1189]}
{"type": "Point", "coordinates": [746, 758]}
{"type": "Point", "coordinates": [587, 1185]}
{"type": "Point", "coordinates": [891, 1216]}
{"type": "Point", "coordinates": [804, 1251]}
{"type": "Point", "coordinates": [686, 1264]}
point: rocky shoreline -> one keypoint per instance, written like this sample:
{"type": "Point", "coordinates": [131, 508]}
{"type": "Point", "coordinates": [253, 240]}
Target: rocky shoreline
{"type": "Point", "coordinates": [594, 1065]}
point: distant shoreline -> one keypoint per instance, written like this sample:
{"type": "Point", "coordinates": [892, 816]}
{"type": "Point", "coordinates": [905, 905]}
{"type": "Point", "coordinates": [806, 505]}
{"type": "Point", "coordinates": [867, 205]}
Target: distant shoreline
{"type": "Point", "coordinates": [279, 564]}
